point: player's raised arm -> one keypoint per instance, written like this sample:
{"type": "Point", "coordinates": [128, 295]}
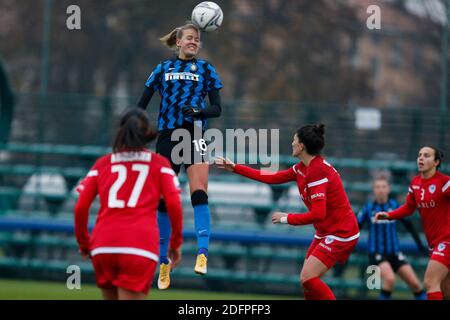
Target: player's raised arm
{"type": "Point", "coordinates": [258, 175]}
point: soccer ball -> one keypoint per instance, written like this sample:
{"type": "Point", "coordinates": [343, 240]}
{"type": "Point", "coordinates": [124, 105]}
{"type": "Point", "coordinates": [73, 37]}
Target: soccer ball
{"type": "Point", "coordinates": [207, 16]}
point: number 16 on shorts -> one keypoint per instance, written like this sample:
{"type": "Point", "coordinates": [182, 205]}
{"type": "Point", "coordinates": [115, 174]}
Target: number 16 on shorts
{"type": "Point", "coordinates": [200, 146]}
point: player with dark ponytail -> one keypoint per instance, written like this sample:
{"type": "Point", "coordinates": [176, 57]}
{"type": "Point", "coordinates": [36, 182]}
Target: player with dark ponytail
{"type": "Point", "coordinates": [124, 244]}
{"type": "Point", "coordinates": [321, 190]}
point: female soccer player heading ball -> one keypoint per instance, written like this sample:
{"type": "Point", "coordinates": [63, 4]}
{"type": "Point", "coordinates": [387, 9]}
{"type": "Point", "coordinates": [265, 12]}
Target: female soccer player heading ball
{"type": "Point", "coordinates": [429, 192]}
{"type": "Point", "coordinates": [183, 83]}
{"type": "Point", "coordinates": [124, 244]}
{"type": "Point", "coordinates": [321, 190]}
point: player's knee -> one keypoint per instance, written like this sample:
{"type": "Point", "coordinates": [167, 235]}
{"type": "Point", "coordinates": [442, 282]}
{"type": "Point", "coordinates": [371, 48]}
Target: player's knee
{"type": "Point", "coordinates": [415, 284]}
{"type": "Point", "coordinates": [162, 206]}
{"type": "Point", "coordinates": [389, 282]}
{"type": "Point", "coordinates": [431, 283]}
{"type": "Point", "coordinates": [304, 277]}
{"type": "Point", "coordinates": [199, 197]}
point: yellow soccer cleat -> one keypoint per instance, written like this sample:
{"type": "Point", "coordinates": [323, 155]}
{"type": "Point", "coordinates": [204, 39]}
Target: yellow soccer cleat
{"type": "Point", "coordinates": [201, 264]}
{"type": "Point", "coordinates": [164, 276]}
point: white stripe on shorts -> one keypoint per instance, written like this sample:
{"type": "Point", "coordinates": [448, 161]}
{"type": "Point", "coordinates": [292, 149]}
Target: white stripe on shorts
{"type": "Point", "coordinates": [126, 250]}
{"type": "Point", "coordinates": [356, 236]}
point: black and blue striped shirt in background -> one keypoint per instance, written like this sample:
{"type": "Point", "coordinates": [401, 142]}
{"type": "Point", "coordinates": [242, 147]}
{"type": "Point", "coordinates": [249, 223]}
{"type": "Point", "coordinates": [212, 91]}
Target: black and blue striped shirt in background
{"type": "Point", "coordinates": [182, 83]}
{"type": "Point", "coordinates": [383, 237]}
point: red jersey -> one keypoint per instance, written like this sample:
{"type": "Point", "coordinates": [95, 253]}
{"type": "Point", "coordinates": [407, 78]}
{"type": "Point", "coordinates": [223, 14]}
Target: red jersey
{"type": "Point", "coordinates": [321, 190]}
{"type": "Point", "coordinates": [129, 185]}
{"type": "Point", "coordinates": [432, 198]}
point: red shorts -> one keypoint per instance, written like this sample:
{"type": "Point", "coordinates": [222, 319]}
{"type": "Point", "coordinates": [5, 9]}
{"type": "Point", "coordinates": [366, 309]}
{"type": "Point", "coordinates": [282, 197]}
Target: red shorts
{"type": "Point", "coordinates": [330, 251]}
{"type": "Point", "coordinates": [441, 253]}
{"type": "Point", "coordinates": [128, 271]}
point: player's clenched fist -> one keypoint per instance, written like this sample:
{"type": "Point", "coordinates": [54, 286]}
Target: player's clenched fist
{"type": "Point", "coordinates": [225, 163]}
{"type": "Point", "coordinates": [381, 216]}
{"type": "Point", "coordinates": [279, 217]}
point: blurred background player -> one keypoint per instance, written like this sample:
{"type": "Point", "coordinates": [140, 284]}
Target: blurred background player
{"type": "Point", "coordinates": [183, 83]}
{"type": "Point", "coordinates": [429, 192]}
{"type": "Point", "coordinates": [383, 243]}
{"type": "Point", "coordinates": [321, 190]}
{"type": "Point", "coordinates": [124, 244]}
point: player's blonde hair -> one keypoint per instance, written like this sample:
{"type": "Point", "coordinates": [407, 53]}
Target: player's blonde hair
{"type": "Point", "coordinates": [170, 39]}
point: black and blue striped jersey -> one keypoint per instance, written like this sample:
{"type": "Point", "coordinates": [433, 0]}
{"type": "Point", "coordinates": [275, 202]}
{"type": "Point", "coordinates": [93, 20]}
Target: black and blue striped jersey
{"type": "Point", "coordinates": [383, 237]}
{"type": "Point", "coordinates": [182, 83]}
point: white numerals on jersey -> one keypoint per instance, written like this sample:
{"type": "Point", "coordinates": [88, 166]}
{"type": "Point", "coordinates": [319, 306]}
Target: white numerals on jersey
{"type": "Point", "coordinates": [113, 202]}
{"type": "Point", "coordinates": [422, 194]}
{"type": "Point", "coordinates": [200, 146]}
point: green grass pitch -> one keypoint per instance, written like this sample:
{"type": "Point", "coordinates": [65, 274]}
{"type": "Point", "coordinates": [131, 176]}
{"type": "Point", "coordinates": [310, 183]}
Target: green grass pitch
{"type": "Point", "coordinates": [39, 290]}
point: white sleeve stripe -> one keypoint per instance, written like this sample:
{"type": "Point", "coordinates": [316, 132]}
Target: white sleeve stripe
{"type": "Point", "coordinates": [92, 173]}
{"type": "Point", "coordinates": [316, 183]}
{"type": "Point", "coordinates": [446, 186]}
{"type": "Point", "coordinates": [168, 171]}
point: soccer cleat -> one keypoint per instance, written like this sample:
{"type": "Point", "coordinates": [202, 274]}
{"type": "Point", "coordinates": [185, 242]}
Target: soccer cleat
{"type": "Point", "coordinates": [201, 264]}
{"type": "Point", "coordinates": [164, 276]}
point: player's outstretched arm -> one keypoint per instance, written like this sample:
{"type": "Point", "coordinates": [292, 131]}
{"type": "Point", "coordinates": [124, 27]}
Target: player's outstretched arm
{"type": "Point", "coordinates": [405, 210]}
{"type": "Point", "coordinates": [225, 163]}
{"type": "Point", "coordinates": [317, 213]}
{"type": "Point", "coordinates": [258, 175]}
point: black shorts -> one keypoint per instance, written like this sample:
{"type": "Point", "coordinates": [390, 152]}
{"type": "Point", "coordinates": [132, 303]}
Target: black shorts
{"type": "Point", "coordinates": [188, 148]}
{"type": "Point", "coordinates": [395, 260]}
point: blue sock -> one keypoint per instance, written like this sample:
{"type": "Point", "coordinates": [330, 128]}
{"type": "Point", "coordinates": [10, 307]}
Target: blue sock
{"type": "Point", "coordinates": [164, 236]}
{"type": "Point", "coordinates": [202, 226]}
{"type": "Point", "coordinates": [385, 295]}
{"type": "Point", "coordinates": [421, 295]}
{"type": "Point", "coordinates": [203, 251]}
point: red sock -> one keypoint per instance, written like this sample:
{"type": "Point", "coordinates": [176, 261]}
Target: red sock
{"type": "Point", "coordinates": [315, 289]}
{"type": "Point", "coordinates": [435, 295]}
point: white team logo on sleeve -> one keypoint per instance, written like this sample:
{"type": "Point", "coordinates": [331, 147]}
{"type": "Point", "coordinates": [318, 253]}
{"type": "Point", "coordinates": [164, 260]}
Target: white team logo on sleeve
{"type": "Point", "coordinates": [441, 247]}
{"type": "Point", "coordinates": [432, 188]}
